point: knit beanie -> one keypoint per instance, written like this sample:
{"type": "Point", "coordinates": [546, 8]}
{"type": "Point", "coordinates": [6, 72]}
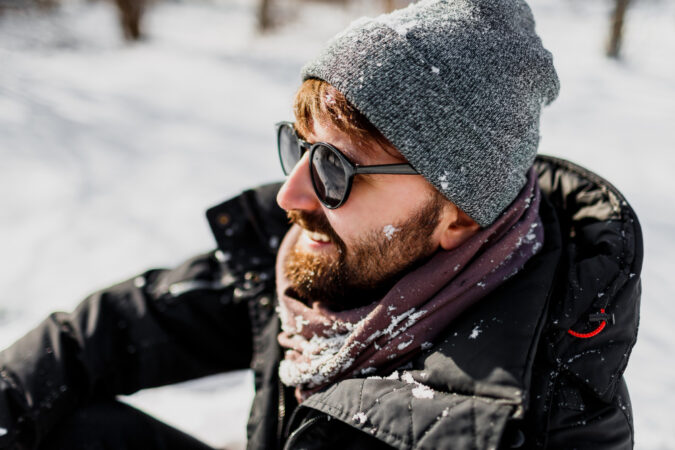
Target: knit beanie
{"type": "Point", "coordinates": [456, 86]}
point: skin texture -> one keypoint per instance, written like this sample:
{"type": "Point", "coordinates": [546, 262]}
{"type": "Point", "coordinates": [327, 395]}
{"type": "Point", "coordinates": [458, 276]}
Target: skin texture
{"type": "Point", "coordinates": [388, 224]}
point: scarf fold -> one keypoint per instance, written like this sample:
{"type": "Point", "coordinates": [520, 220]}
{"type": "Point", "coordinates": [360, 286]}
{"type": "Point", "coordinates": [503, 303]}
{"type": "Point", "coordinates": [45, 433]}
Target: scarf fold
{"type": "Point", "coordinates": [324, 346]}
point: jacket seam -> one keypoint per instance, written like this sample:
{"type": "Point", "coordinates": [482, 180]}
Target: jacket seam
{"type": "Point", "coordinates": [411, 433]}
{"type": "Point", "coordinates": [474, 434]}
{"type": "Point", "coordinates": [370, 408]}
{"type": "Point", "coordinates": [438, 420]}
{"type": "Point", "coordinates": [630, 427]}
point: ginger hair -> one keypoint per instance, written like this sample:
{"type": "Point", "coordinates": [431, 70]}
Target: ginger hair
{"type": "Point", "coordinates": [318, 100]}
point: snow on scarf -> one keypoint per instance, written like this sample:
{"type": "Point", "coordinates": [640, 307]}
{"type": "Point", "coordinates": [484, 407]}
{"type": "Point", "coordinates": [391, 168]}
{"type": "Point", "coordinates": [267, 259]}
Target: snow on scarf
{"type": "Point", "coordinates": [323, 346]}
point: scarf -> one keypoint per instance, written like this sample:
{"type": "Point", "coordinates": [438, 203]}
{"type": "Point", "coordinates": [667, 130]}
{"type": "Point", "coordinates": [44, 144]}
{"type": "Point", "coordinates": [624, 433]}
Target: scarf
{"type": "Point", "coordinates": [324, 346]}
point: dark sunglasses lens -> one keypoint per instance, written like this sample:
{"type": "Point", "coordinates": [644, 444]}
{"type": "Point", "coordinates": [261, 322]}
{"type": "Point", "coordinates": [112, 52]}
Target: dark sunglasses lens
{"type": "Point", "coordinates": [289, 148]}
{"type": "Point", "coordinates": [328, 176]}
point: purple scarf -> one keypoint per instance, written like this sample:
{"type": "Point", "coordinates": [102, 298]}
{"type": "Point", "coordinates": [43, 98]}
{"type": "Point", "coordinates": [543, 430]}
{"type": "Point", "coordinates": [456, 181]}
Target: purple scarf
{"type": "Point", "coordinates": [324, 346]}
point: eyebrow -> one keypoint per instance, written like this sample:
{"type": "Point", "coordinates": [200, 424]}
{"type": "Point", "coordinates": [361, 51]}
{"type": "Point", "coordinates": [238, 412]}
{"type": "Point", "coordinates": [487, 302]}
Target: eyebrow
{"type": "Point", "coordinates": [348, 153]}
{"type": "Point", "coordinates": [359, 156]}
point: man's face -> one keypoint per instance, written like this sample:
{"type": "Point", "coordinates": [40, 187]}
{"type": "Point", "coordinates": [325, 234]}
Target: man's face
{"type": "Point", "coordinates": [347, 256]}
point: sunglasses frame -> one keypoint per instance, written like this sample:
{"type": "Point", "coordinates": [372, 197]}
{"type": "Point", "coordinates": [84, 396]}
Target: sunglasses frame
{"type": "Point", "coordinates": [351, 169]}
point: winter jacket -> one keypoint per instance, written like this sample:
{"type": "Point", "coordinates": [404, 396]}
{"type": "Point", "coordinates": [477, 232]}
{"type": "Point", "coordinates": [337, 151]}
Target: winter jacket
{"type": "Point", "coordinates": [538, 363]}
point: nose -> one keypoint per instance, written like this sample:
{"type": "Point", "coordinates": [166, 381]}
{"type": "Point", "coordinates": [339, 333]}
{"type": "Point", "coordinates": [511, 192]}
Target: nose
{"type": "Point", "coordinates": [297, 192]}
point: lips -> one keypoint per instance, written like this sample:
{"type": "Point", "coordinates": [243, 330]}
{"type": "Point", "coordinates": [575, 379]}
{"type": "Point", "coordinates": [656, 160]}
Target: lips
{"type": "Point", "coordinates": [316, 232]}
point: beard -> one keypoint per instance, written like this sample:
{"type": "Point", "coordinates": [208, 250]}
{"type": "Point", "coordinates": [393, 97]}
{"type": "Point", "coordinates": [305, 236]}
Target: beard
{"type": "Point", "coordinates": [363, 272]}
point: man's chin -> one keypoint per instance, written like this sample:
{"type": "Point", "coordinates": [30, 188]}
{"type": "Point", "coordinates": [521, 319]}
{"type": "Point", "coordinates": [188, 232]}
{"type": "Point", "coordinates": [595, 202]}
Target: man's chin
{"type": "Point", "coordinates": [311, 272]}
{"type": "Point", "coordinates": [321, 277]}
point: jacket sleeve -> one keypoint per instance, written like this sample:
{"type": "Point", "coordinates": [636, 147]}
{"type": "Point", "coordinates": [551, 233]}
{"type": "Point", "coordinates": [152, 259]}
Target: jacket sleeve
{"type": "Point", "coordinates": [161, 327]}
{"type": "Point", "coordinates": [580, 420]}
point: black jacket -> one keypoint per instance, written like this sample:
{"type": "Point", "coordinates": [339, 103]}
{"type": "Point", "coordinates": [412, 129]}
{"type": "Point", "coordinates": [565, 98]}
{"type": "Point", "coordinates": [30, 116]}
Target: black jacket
{"type": "Point", "coordinates": [507, 373]}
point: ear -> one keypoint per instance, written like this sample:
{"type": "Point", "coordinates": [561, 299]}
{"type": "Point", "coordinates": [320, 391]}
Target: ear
{"type": "Point", "coordinates": [459, 227]}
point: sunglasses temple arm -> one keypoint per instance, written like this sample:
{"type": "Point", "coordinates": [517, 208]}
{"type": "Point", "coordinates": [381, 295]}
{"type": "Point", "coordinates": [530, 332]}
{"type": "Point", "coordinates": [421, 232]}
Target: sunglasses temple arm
{"type": "Point", "coordinates": [392, 169]}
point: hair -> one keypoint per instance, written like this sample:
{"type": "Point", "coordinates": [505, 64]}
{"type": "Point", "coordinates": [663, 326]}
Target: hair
{"type": "Point", "coordinates": [319, 101]}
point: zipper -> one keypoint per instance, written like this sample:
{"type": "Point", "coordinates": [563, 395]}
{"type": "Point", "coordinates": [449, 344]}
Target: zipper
{"type": "Point", "coordinates": [281, 410]}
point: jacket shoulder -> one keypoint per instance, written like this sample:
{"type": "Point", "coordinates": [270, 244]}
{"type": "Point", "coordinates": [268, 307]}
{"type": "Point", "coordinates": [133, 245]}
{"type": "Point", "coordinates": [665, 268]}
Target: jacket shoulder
{"type": "Point", "coordinates": [249, 221]}
{"type": "Point", "coordinates": [579, 397]}
{"type": "Point", "coordinates": [594, 312]}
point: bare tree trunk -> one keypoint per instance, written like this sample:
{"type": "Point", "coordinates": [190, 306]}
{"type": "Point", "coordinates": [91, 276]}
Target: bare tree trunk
{"type": "Point", "coordinates": [130, 13]}
{"type": "Point", "coordinates": [616, 30]}
{"type": "Point", "coordinates": [46, 4]}
{"type": "Point", "coordinates": [264, 19]}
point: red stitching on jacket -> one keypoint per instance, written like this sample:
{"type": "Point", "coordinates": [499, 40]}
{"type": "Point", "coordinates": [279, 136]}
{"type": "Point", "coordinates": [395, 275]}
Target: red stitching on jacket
{"type": "Point", "coordinates": [590, 334]}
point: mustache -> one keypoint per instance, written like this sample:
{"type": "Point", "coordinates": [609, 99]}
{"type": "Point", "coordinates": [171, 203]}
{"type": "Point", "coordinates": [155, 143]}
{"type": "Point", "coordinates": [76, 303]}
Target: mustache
{"type": "Point", "coordinates": [316, 223]}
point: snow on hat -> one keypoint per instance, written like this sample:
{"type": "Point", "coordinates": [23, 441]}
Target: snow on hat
{"type": "Point", "coordinates": [456, 86]}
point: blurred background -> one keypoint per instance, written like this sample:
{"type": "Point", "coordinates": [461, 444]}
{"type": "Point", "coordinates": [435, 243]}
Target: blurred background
{"type": "Point", "coordinates": [121, 121]}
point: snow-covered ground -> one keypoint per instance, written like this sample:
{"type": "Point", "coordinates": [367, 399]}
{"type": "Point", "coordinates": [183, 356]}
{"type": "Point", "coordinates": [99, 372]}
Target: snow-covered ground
{"type": "Point", "coordinates": [110, 153]}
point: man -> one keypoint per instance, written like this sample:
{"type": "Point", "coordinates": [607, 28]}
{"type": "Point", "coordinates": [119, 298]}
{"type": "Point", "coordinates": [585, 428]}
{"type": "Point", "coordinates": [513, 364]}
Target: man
{"type": "Point", "coordinates": [438, 287]}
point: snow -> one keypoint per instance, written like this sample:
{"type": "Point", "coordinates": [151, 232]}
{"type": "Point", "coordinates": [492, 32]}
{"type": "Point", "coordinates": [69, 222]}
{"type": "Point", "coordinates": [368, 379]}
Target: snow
{"type": "Point", "coordinates": [422, 391]}
{"type": "Point", "coordinates": [403, 345]}
{"type": "Point", "coordinates": [300, 322]}
{"type": "Point", "coordinates": [407, 377]}
{"type": "Point", "coordinates": [214, 408]}
{"type": "Point", "coordinates": [329, 99]}
{"type": "Point", "coordinates": [389, 231]}
{"type": "Point", "coordinates": [110, 153]}
{"type": "Point", "coordinates": [393, 376]}
{"type": "Point", "coordinates": [3, 431]}
{"type": "Point", "coordinates": [322, 356]}
{"type": "Point", "coordinates": [368, 370]}
{"type": "Point", "coordinates": [475, 332]}
{"type": "Point", "coordinates": [139, 281]}
{"type": "Point", "coordinates": [360, 418]}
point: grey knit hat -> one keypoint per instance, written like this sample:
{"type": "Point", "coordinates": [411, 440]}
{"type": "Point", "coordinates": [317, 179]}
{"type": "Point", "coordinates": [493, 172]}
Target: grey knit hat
{"type": "Point", "coordinates": [456, 86]}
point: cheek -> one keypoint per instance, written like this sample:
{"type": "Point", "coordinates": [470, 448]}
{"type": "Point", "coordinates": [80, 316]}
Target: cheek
{"type": "Point", "coordinates": [347, 226]}
{"type": "Point", "coordinates": [372, 208]}
{"type": "Point", "coordinates": [355, 221]}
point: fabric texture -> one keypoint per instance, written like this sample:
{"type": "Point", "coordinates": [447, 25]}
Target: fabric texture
{"type": "Point", "coordinates": [456, 86]}
{"type": "Point", "coordinates": [323, 346]}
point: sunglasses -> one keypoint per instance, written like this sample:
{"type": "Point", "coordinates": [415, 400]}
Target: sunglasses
{"type": "Point", "coordinates": [332, 173]}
